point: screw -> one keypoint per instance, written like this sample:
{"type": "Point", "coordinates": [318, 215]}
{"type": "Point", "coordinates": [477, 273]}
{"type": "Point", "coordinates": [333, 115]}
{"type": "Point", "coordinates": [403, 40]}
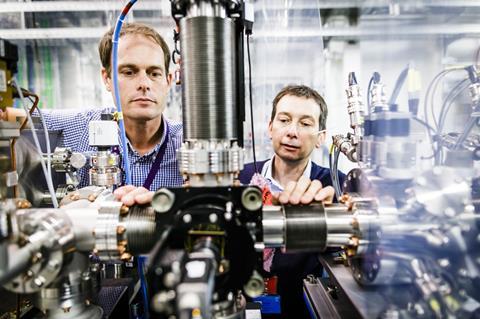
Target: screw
{"type": "Point", "coordinates": [39, 281]}
{"type": "Point", "coordinates": [53, 264]}
{"type": "Point", "coordinates": [121, 229]}
{"type": "Point", "coordinates": [213, 218]}
{"type": "Point", "coordinates": [124, 210]}
{"type": "Point", "coordinates": [187, 218]}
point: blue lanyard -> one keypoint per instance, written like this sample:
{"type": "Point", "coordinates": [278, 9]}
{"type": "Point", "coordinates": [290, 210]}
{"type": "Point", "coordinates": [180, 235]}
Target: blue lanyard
{"type": "Point", "coordinates": [156, 164]}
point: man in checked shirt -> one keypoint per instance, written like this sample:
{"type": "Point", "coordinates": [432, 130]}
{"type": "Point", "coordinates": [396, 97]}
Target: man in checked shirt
{"type": "Point", "coordinates": [144, 82]}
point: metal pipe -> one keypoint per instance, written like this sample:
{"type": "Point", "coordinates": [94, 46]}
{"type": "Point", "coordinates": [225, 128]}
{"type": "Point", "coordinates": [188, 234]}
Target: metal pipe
{"type": "Point", "coordinates": [307, 228]}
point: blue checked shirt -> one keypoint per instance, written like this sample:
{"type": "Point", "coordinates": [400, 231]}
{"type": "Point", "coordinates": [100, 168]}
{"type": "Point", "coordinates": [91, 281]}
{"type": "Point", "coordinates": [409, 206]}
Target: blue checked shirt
{"type": "Point", "coordinates": [74, 126]}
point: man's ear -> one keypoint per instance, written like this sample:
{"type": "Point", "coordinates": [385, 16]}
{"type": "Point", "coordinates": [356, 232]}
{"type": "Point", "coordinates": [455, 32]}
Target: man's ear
{"type": "Point", "coordinates": [322, 135]}
{"type": "Point", "coordinates": [107, 80]}
{"type": "Point", "coordinates": [169, 79]}
{"type": "Point", "coordinates": [270, 129]}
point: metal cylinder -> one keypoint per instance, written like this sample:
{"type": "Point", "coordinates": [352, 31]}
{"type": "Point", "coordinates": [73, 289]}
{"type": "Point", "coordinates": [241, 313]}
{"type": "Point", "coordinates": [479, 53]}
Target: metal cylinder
{"type": "Point", "coordinates": [306, 228]}
{"type": "Point", "coordinates": [209, 78]}
{"type": "Point", "coordinates": [84, 221]}
{"type": "Point", "coordinates": [273, 226]}
{"type": "Point", "coordinates": [140, 229]}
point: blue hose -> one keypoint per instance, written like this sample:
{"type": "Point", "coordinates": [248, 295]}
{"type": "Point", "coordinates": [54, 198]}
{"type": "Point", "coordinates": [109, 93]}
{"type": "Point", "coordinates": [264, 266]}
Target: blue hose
{"type": "Point", "coordinates": [123, 136]}
{"type": "Point", "coordinates": [116, 90]}
{"type": "Point", "coordinates": [143, 284]}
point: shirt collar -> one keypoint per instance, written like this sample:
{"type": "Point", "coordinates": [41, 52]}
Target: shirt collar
{"type": "Point", "coordinates": [156, 148]}
{"type": "Point", "coordinates": [267, 173]}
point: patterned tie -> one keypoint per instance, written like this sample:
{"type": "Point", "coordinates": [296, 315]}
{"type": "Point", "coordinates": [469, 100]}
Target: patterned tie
{"type": "Point", "coordinates": [262, 182]}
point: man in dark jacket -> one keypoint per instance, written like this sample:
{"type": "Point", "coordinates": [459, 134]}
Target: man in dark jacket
{"type": "Point", "coordinates": [297, 126]}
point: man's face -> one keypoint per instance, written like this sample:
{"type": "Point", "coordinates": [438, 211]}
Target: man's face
{"type": "Point", "coordinates": [295, 129]}
{"type": "Point", "coordinates": [142, 78]}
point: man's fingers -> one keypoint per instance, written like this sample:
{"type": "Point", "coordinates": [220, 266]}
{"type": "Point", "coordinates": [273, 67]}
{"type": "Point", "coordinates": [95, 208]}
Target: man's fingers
{"type": "Point", "coordinates": [144, 198]}
{"type": "Point", "coordinates": [325, 195]}
{"type": "Point", "coordinates": [275, 196]}
{"type": "Point", "coordinates": [121, 191]}
{"type": "Point", "coordinates": [284, 196]}
{"type": "Point", "coordinates": [314, 187]}
{"type": "Point", "coordinates": [299, 190]}
{"type": "Point", "coordinates": [130, 198]}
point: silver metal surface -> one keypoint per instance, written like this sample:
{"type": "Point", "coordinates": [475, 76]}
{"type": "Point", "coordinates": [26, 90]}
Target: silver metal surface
{"type": "Point", "coordinates": [163, 200]}
{"type": "Point", "coordinates": [206, 9]}
{"type": "Point", "coordinates": [140, 229]}
{"type": "Point", "coordinates": [210, 163]}
{"type": "Point", "coordinates": [355, 108]}
{"type": "Point", "coordinates": [9, 130]}
{"type": "Point", "coordinates": [121, 231]}
{"type": "Point", "coordinates": [273, 223]}
{"type": "Point", "coordinates": [209, 78]}
{"type": "Point", "coordinates": [443, 191]}
{"type": "Point", "coordinates": [104, 169]}
{"type": "Point", "coordinates": [305, 228]}
{"type": "Point", "coordinates": [50, 241]}
{"type": "Point", "coordinates": [71, 294]}
{"type": "Point", "coordinates": [252, 198]}
{"type": "Point", "coordinates": [106, 243]}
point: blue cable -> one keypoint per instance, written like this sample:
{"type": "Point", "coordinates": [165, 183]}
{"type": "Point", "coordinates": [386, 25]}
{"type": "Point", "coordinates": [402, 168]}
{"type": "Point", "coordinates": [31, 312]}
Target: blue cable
{"type": "Point", "coordinates": [123, 136]}
{"type": "Point", "coordinates": [143, 285]}
{"type": "Point", "coordinates": [116, 90]}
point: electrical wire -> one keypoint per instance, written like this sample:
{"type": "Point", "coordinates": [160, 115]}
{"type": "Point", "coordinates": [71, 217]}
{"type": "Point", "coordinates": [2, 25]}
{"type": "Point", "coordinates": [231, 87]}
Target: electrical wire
{"type": "Point", "coordinates": [251, 103]}
{"type": "Point", "coordinates": [48, 178]}
{"type": "Point", "coordinates": [143, 283]}
{"type": "Point", "coordinates": [337, 187]}
{"type": "Point", "coordinates": [398, 85]}
{"type": "Point", "coordinates": [334, 169]}
{"type": "Point", "coordinates": [428, 96]}
{"type": "Point", "coordinates": [427, 126]}
{"type": "Point", "coordinates": [447, 104]}
{"type": "Point", "coordinates": [14, 141]}
{"type": "Point", "coordinates": [429, 93]}
{"type": "Point", "coordinates": [47, 142]}
{"type": "Point", "coordinates": [369, 97]}
{"type": "Point", "coordinates": [375, 78]}
{"type": "Point", "coordinates": [116, 90]}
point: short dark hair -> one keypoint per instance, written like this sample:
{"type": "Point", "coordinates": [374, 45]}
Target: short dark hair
{"type": "Point", "coordinates": [105, 45]}
{"type": "Point", "coordinates": [307, 93]}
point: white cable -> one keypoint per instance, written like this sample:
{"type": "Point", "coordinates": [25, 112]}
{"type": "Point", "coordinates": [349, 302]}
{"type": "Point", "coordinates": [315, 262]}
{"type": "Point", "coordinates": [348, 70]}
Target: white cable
{"type": "Point", "coordinates": [47, 142]}
{"type": "Point", "coordinates": [48, 178]}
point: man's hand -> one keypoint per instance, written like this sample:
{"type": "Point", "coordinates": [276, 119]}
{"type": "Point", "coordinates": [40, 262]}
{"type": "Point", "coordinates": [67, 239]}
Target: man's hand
{"type": "Point", "coordinates": [305, 192]}
{"type": "Point", "coordinates": [130, 195]}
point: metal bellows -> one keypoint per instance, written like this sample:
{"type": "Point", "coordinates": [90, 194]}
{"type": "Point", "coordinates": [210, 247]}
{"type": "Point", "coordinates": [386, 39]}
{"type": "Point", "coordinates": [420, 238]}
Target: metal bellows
{"type": "Point", "coordinates": [209, 78]}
